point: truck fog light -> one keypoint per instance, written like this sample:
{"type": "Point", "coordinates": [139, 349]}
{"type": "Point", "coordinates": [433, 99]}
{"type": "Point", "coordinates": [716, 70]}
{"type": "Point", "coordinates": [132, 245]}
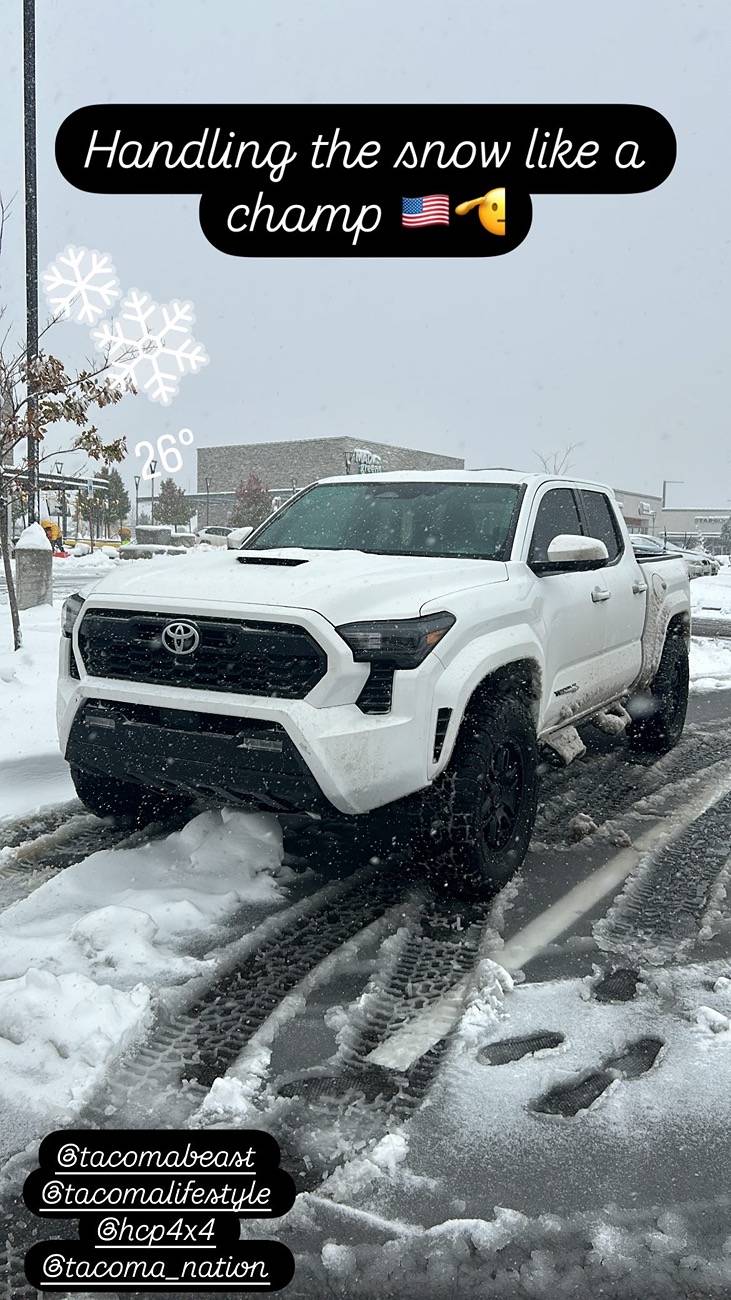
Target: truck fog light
{"type": "Point", "coordinates": [266, 744]}
{"type": "Point", "coordinates": [98, 720]}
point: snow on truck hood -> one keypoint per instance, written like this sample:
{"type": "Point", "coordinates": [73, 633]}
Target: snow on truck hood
{"type": "Point", "coordinates": [341, 585]}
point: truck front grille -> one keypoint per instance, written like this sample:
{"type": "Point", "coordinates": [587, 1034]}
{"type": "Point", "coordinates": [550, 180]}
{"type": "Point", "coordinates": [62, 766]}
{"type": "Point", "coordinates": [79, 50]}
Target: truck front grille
{"type": "Point", "coordinates": [241, 657]}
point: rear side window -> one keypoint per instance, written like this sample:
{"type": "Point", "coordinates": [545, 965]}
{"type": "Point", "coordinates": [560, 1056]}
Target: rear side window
{"type": "Point", "coordinates": [557, 514]}
{"type": "Point", "coordinates": [601, 523]}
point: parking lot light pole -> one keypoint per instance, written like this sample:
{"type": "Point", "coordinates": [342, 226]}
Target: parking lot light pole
{"type": "Point", "coordinates": [58, 467]}
{"type": "Point", "coordinates": [669, 482]}
{"type": "Point", "coordinates": [153, 468]}
{"type": "Point", "coordinates": [208, 502]}
{"type": "Point", "coordinates": [138, 478]}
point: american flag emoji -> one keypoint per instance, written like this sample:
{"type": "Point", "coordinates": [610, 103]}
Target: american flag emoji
{"type": "Point", "coordinates": [429, 210]}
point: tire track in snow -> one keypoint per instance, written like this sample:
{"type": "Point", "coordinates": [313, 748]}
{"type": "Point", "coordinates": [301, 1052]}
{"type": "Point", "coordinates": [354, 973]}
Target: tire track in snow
{"type": "Point", "coordinates": [15, 830]}
{"type": "Point", "coordinates": [668, 904]}
{"type": "Point", "coordinates": [199, 1044]}
{"type": "Point", "coordinates": [432, 957]}
{"type": "Point", "coordinates": [29, 863]}
{"type": "Point", "coordinates": [606, 786]}
{"type": "Point", "coordinates": [164, 1082]}
{"type": "Point", "coordinates": [427, 960]}
{"type": "Point", "coordinates": [425, 976]}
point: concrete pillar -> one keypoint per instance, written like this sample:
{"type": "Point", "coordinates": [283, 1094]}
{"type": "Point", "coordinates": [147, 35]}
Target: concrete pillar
{"type": "Point", "coordinates": [33, 568]}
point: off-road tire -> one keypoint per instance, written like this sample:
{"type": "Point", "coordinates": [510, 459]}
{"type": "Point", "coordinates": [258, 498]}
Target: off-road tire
{"type": "Point", "coordinates": [478, 817]}
{"type": "Point", "coordinates": [105, 796]}
{"type": "Point", "coordinates": [659, 714]}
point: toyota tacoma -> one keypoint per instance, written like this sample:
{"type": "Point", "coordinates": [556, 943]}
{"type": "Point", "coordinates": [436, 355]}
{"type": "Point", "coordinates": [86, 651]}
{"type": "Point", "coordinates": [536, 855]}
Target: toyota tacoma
{"type": "Point", "coordinates": [391, 647]}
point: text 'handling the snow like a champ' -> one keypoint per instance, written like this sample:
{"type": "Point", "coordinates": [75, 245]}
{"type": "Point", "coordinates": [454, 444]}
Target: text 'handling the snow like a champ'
{"type": "Point", "coordinates": [159, 1209]}
{"type": "Point", "coordinates": [355, 180]}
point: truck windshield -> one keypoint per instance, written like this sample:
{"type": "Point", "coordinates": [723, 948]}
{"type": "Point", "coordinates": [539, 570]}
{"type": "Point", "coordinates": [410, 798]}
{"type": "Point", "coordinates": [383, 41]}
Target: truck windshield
{"type": "Point", "coordinates": [459, 520]}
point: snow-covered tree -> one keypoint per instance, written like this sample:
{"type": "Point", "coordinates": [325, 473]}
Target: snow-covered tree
{"type": "Point", "coordinates": [252, 503]}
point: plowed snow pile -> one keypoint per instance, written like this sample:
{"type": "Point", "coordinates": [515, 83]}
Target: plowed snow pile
{"type": "Point", "coordinates": [85, 957]}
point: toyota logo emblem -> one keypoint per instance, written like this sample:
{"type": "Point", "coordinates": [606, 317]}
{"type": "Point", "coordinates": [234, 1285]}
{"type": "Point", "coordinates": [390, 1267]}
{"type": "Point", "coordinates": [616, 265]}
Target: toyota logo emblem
{"type": "Point", "coordinates": [180, 638]}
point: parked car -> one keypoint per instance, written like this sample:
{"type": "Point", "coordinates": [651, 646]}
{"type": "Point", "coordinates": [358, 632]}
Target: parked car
{"type": "Point", "coordinates": [384, 647]}
{"type": "Point", "coordinates": [699, 564]}
{"type": "Point", "coordinates": [214, 535]}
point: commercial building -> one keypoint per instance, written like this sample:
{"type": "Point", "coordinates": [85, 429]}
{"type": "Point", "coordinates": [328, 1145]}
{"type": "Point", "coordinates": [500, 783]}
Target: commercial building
{"type": "Point", "coordinates": [640, 509]}
{"type": "Point", "coordinates": [284, 467]}
{"type": "Point", "coordinates": [691, 525]}
{"type": "Point", "coordinates": [683, 525]}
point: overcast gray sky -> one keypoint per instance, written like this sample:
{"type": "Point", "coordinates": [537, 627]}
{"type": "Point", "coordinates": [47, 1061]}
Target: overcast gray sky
{"type": "Point", "coordinates": [608, 326]}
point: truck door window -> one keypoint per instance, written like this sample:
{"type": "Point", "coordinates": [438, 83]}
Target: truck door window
{"type": "Point", "coordinates": [557, 513]}
{"type": "Point", "coordinates": [600, 522]}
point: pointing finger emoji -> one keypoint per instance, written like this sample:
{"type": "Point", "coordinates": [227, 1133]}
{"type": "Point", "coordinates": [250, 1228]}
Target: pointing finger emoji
{"type": "Point", "coordinates": [490, 210]}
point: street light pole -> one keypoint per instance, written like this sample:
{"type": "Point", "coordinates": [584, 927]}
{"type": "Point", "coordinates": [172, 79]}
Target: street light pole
{"type": "Point", "coordinates": [137, 498]}
{"type": "Point", "coordinates": [208, 502]}
{"type": "Point", "coordinates": [669, 482]}
{"type": "Point", "coordinates": [58, 467]}
{"type": "Point", "coordinates": [153, 467]}
{"type": "Point", "coordinates": [31, 245]}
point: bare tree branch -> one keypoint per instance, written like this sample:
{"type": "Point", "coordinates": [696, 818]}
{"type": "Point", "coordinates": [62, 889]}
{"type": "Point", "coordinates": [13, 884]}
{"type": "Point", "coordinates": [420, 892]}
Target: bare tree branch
{"type": "Point", "coordinates": [558, 462]}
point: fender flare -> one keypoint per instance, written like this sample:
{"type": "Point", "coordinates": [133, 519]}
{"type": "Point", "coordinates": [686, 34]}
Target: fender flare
{"type": "Point", "coordinates": [662, 609]}
{"type": "Point", "coordinates": [481, 659]}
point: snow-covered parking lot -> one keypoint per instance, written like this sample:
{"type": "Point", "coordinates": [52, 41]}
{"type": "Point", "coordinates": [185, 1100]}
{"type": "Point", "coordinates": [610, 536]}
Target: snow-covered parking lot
{"type": "Point", "coordinates": [522, 1097]}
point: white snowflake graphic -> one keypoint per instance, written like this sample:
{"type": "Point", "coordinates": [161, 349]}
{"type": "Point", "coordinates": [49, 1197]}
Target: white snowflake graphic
{"type": "Point", "coordinates": [151, 345]}
{"type": "Point", "coordinates": [81, 284]}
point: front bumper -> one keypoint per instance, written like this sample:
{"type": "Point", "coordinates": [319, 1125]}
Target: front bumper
{"type": "Point", "coordinates": [232, 759]}
{"type": "Point", "coordinates": [333, 757]}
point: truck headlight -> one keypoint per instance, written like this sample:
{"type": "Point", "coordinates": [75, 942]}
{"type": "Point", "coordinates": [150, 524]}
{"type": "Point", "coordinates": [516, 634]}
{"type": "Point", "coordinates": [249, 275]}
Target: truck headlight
{"type": "Point", "coordinates": [72, 607]}
{"type": "Point", "coordinates": [403, 642]}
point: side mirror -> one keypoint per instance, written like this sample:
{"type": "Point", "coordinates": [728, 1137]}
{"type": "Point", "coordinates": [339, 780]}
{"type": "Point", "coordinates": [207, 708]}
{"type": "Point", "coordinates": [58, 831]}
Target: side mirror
{"type": "Point", "coordinates": [238, 536]}
{"type": "Point", "coordinates": [569, 551]}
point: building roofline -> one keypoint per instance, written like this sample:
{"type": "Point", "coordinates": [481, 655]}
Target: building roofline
{"type": "Point", "coordinates": [634, 492]}
{"type": "Point", "coordinates": [334, 438]}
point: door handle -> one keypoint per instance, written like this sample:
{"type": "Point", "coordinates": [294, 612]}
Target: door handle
{"type": "Point", "coordinates": [638, 587]}
{"type": "Point", "coordinates": [599, 594]}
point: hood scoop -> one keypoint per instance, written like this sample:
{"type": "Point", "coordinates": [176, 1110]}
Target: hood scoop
{"type": "Point", "coordinates": [287, 562]}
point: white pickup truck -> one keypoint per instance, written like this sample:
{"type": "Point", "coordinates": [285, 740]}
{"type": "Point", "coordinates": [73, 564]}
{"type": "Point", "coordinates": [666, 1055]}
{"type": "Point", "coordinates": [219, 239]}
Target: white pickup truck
{"type": "Point", "coordinates": [401, 641]}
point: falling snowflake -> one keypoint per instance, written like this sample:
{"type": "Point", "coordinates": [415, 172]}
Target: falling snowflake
{"type": "Point", "coordinates": [81, 284]}
{"type": "Point", "coordinates": [151, 346]}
